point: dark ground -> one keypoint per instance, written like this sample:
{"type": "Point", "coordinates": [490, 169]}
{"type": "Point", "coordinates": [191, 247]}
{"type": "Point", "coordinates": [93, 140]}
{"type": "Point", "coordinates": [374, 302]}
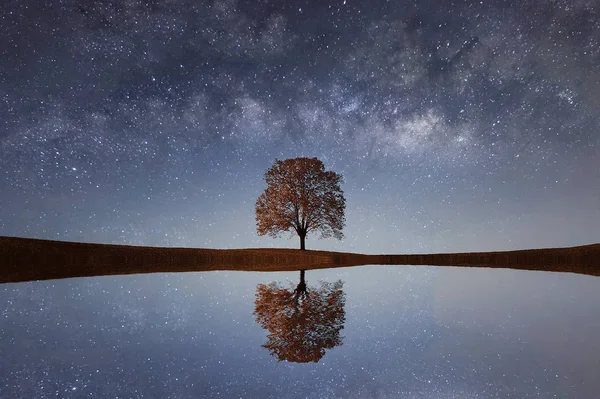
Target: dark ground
{"type": "Point", "coordinates": [24, 259]}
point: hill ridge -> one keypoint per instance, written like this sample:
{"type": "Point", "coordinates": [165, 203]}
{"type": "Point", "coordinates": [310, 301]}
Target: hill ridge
{"type": "Point", "coordinates": [28, 259]}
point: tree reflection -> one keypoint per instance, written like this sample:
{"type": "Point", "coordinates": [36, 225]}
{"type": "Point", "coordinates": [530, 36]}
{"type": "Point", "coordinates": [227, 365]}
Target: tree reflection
{"type": "Point", "coordinates": [302, 322]}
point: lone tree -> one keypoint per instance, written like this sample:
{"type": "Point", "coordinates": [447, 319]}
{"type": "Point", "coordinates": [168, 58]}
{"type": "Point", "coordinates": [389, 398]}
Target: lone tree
{"type": "Point", "coordinates": [301, 322]}
{"type": "Point", "coordinates": [302, 196]}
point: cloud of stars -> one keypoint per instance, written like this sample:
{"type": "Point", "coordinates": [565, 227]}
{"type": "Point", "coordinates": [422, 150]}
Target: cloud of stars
{"type": "Point", "coordinates": [447, 122]}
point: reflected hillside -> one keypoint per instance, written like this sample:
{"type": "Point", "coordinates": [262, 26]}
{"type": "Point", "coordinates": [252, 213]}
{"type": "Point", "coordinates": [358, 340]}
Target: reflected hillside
{"type": "Point", "coordinates": [24, 259]}
{"type": "Point", "coordinates": [301, 322]}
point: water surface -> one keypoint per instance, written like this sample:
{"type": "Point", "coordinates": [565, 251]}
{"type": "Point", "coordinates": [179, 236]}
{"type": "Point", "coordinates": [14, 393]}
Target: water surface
{"type": "Point", "coordinates": [410, 332]}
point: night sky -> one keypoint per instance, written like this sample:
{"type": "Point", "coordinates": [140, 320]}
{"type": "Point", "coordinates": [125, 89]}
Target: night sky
{"type": "Point", "coordinates": [471, 125]}
{"type": "Point", "coordinates": [458, 126]}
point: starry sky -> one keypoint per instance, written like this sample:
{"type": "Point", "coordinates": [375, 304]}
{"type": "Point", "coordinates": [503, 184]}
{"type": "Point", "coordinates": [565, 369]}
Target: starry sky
{"type": "Point", "coordinates": [458, 126]}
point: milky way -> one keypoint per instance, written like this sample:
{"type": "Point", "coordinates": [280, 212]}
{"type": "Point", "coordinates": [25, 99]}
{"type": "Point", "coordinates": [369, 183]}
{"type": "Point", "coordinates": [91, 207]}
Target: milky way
{"type": "Point", "coordinates": [471, 126]}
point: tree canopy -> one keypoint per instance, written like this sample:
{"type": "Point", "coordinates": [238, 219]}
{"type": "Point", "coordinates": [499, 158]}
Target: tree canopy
{"type": "Point", "coordinates": [302, 322]}
{"type": "Point", "coordinates": [301, 196]}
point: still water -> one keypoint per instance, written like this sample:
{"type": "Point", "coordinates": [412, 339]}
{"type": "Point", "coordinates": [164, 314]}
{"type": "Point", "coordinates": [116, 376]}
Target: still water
{"type": "Point", "coordinates": [396, 332]}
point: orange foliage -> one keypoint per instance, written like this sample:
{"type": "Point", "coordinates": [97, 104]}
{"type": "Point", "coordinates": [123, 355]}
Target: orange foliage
{"type": "Point", "coordinates": [303, 197]}
{"type": "Point", "coordinates": [301, 325]}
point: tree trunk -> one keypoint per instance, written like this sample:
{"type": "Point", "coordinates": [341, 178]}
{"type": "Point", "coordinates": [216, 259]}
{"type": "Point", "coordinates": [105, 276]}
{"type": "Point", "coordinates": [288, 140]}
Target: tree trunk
{"type": "Point", "coordinates": [302, 285]}
{"type": "Point", "coordinates": [300, 291]}
{"type": "Point", "coordinates": [302, 239]}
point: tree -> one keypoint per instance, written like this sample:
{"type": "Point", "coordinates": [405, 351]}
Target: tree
{"type": "Point", "coordinates": [302, 197]}
{"type": "Point", "coordinates": [302, 322]}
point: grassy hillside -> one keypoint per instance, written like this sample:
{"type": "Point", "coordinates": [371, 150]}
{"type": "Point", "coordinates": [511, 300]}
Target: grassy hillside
{"type": "Point", "coordinates": [23, 259]}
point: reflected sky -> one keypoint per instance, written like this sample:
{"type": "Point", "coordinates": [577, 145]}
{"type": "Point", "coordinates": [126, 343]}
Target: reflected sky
{"type": "Point", "coordinates": [410, 332]}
